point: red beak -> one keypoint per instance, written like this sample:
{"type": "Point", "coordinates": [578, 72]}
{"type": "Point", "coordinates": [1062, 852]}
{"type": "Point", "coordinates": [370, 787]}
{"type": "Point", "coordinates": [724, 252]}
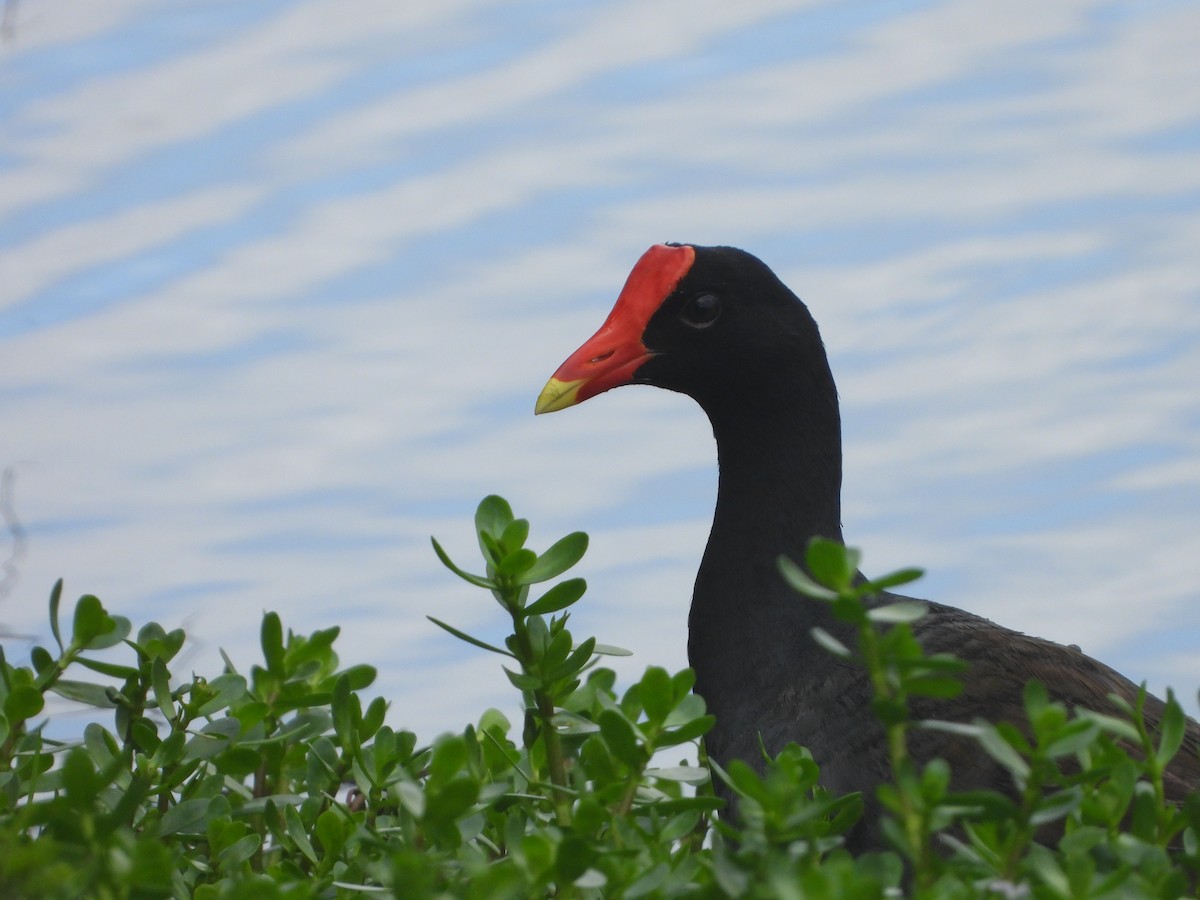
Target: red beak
{"type": "Point", "coordinates": [611, 356]}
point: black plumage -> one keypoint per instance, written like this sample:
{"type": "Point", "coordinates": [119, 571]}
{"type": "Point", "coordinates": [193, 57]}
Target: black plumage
{"type": "Point", "coordinates": [715, 323]}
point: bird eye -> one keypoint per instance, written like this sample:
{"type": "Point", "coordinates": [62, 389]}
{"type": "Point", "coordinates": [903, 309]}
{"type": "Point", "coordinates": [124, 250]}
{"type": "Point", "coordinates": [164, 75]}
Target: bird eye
{"type": "Point", "coordinates": [702, 310]}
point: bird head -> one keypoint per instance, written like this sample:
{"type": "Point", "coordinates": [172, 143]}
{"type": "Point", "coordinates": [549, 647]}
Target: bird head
{"type": "Point", "coordinates": [711, 322]}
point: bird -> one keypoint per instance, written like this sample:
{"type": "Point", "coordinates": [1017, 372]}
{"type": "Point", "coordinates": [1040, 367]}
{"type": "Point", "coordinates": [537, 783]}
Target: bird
{"type": "Point", "coordinates": [715, 323]}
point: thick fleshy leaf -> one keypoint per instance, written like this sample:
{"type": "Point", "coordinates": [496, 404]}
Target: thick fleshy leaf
{"type": "Point", "coordinates": [516, 562]}
{"type": "Point", "coordinates": [515, 535]}
{"type": "Point", "coordinates": [121, 627]}
{"type": "Point", "coordinates": [186, 817]}
{"type": "Point", "coordinates": [561, 555]}
{"type": "Point", "coordinates": [297, 833]}
{"type": "Point", "coordinates": [1171, 730]}
{"type": "Point", "coordinates": [211, 739]}
{"type": "Point", "coordinates": [656, 694]}
{"type": "Point", "coordinates": [113, 670]}
{"type": "Point", "coordinates": [938, 686]}
{"type": "Point", "coordinates": [477, 580]}
{"type": "Point", "coordinates": [906, 611]}
{"type": "Point", "coordinates": [271, 638]}
{"type": "Point", "coordinates": [610, 650]}
{"type": "Point", "coordinates": [463, 636]}
{"type": "Point", "coordinates": [832, 564]}
{"type": "Point", "coordinates": [1001, 750]}
{"type": "Point", "coordinates": [558, 597]}
{"type": "Point", "coordinates": [160, 680]}
{"type": "Point", "coordinates": [569, 723]}
{"type": "Point", "coordinates": [621, 739]}
{"type": "Point", "coordinates": [23, 702]}
{"type": "Point", "coordinates": [492, 516]}
{"type": "Point", "coordinates": [90, 620]}
{"type": "Point", "coordinates": [83, 692]}
{"type": "Point", "coordinates": [521, 681]}
{"type": "Point", "coordinates": [229, 688]}
{"type": "Point", "coordinates": [830, 643]}
{"type": "Point", "coordinates": [55, 602]}
{"type": "Point", "coordinates": [801, 582]}
{"type": "Point", "coordinates": [895, 579]}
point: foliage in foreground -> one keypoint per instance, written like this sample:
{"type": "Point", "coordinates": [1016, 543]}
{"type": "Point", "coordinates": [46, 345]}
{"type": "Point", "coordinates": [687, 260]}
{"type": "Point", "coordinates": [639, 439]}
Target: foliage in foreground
{"type": "Point", "coordinates": [283, 781]}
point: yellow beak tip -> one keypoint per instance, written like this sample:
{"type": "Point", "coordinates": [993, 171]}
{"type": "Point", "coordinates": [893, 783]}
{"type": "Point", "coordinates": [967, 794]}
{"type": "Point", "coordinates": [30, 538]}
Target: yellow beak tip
{"type": "Point", "coordinates": [557, 395]}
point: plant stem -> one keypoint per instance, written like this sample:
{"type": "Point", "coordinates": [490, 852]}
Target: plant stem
{"type": "Point", "coordinates": [555, 760]}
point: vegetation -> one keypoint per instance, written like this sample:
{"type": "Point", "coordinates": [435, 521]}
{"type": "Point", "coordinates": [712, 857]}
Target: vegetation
{"type": "Point", "coordinates": [284, 781]}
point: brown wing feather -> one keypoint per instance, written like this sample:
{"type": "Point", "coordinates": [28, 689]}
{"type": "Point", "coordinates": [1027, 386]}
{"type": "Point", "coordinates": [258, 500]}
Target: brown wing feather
{"type": "Point", "coordinates": [1002, 661]}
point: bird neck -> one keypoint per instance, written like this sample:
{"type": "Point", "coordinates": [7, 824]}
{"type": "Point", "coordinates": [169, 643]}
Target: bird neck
{"type": "Point", "coordinates": [779, 486]}
{"type": "Point", "coordinates": [780, 481]}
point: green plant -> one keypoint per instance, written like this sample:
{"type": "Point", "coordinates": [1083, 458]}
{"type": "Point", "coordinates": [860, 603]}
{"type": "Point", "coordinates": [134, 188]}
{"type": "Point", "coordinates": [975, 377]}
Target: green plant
{"type": "Point", "coordinates": [1089, 817]}
{"type": "Point", "coordinates": [281, 780]}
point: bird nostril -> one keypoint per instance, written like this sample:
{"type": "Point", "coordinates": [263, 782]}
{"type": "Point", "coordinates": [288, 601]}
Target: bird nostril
{"type": "Point", "coordinates": [602, 357]}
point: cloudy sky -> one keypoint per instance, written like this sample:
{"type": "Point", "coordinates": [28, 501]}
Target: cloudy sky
{"type": "Point", "coordinates": [280, 282]}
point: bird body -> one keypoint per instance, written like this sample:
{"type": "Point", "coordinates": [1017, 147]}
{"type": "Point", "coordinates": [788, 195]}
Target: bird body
{"type": "Point", "coordinates": [715, 323]}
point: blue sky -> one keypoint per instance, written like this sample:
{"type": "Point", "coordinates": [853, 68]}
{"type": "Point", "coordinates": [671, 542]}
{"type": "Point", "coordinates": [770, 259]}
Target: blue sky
{"type": "Point", "coordinates": [280, 282]}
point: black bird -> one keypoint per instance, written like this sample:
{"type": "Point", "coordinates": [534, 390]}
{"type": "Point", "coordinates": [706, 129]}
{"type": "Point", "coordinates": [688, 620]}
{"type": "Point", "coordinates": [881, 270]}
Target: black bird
{"type": "Point", "coordinates": [718, 325]}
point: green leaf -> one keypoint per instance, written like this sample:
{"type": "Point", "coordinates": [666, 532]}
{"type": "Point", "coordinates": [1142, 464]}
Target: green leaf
{"type": "Point", "coordinates": [228, 688]}
{"type": "Point", "coordinates": [933, 686]}
{"type": "Point", "coordinates": [373, 717]}
{"type": "Point", "coordinates": [573, 858]}
{"type": "Point", "coordinates": [79, 777]}
{"type": "Point", "coordinates": [685, 774]}
{"type": "Point", "coordinates": [1056, 806]}
{"type": "Point", "coordinates": [830, 643]}
{"type": "Point", "coordinates": [477, 580]}
{"type": "Point", "coordinates": [522, 681]}
{"type": "Point", "coordinates": [330, 833]}
{"type": "Point", "coordinates": [1074, 736]}
{"type": "Point", "coordinates": [889, 711]}
{"type": "Point", "coordinates": [360, 677]}
{"type": "Point", "coordinates": [83, 692]}
{"type": "Point", "coordinates": [688, 731]}
{"type": "Point", "coordinates": [907, 611]}
{"type": "Point", "coordinates": [562, 555]}
{"type": "Point", "coordinates": [656, 694]}
{"type": "Point", "coordinates": [112, 670]}
{"type": "Point", "coordinates": [43, 661]}
{"type": "Point", "coordinates": [579, 658]}
{"type": "Point", "coordinates": [1001, 751]}
{"type": "Point", "coordinates": [213, 738]}
{"type": "Point", "coordinates": [239, 852]}
{"type": "Point", "coordinates": [160, 679]}
{"type": "Point", "coordinates": [610, 650]}
{"type": "Point", "coordinates": [799, 581]}
{"type": "Point", "coordinates": [55, 600]}
{"type": "Point", "coordinates": [516, 562]}
{"type": "Point", "coordinates": [895, 579]}
{"type": "Point", "coordinates": [119, 631]}
{"type": "Point", "coordinates": [271, 637]}
{"type": "Point", "coordinates": [1171, 730]}
{"type": "Point", "coordinates": [463, 636]}
{"type": "Point", "coordinates": [169, 751]}
{"type": "Point", "coordinates": [90, 621]}
{"type": "Point", "coordinates": [558, 597]}
{"type": "Point", "coordinates": [618, 733]}
{"type": "Point", "coordinates": [832, 564]}
{"type": "Point", "coordinates": [23, 702]}
{"type": "Point", "coordinates": [569, 723]}
{"type": "Point", "coordinates": [186, 817]}
{"type": "Point", "coordinates": [515, 535]}
{"type": "Point", "coordinates": [347, 713]}
{"type": "Point", "coordinates": [492, 516]}
{"type": "Point", "coordinates": [295, 830]}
